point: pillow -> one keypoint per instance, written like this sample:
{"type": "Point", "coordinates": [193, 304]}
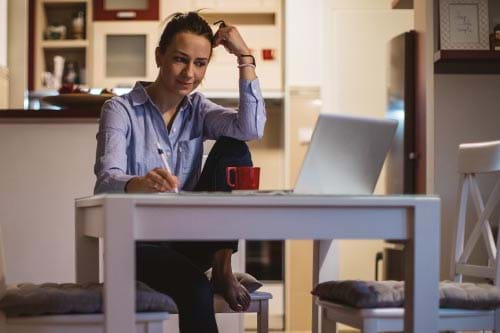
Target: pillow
{"type": "Point", "coordinates": [51, 298]}
{"type": "Point", "coordinates": [473, 296]}
{"type": "Point", "coordinates": [382, 294]}
{"type": "Point", "coordinates": [362, 294]}
{"type": "Point", "coordinates": [247, 280]}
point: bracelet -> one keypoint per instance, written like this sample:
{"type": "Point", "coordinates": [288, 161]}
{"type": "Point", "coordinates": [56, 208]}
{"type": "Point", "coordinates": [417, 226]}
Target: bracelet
{"type": "Point", "coordinates": [246, 65]}
{"type": "Point", "coordinates": [247, 56]}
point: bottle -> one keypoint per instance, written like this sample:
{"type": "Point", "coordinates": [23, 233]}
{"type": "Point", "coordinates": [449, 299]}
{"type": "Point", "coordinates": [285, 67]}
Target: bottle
{"type": "Point", "coordinates": [77, 25]}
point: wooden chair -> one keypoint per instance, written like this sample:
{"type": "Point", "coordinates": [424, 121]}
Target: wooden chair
{"type": "Point", "coordinates": [150, 322]}
{"type": "Point", "coordinates": [473, 159]}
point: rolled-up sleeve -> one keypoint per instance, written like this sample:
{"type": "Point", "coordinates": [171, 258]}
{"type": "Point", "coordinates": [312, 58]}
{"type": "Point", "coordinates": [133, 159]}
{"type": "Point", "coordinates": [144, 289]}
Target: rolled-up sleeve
{"type": "Point", "coordinates": [245, 124]}
{"type": "Point", "coordinates": [111, 155]}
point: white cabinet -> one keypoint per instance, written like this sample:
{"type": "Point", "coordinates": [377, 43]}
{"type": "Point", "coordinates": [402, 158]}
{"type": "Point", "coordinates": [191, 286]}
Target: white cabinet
{"type": "Point", "coordinates": [259, 22]}
{"type": "Point", "coordinates": [123, 54]}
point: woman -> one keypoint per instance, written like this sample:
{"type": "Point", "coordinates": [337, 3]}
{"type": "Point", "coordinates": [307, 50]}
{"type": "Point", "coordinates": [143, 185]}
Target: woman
{"type": "Point", "coordinates": [166, 113]}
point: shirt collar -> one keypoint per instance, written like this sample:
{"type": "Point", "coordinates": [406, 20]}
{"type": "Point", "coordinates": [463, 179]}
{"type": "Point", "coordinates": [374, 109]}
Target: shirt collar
{"type": "Point", "coordinates": [140, 96]}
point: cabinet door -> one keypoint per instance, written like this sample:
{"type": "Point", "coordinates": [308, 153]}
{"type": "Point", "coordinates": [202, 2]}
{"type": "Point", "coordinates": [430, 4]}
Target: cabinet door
{"type": "Point", "coordinates": [122, 55]}
{"type": "Point", "coordinates": [105, 10]}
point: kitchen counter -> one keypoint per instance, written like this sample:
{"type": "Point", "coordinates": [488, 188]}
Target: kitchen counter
{"type": "Point", "coordinates": [49, 115]}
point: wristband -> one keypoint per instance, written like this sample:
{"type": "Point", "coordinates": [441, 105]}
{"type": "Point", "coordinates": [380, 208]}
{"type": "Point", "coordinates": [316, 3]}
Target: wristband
{"type": "Point", "coordinates": [246, 65]}
{"type": "Point", "coordinates": [246, 56]}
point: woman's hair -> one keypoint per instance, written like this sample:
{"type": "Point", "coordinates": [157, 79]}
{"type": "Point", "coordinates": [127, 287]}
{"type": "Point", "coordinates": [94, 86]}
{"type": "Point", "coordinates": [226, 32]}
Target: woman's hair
{"type": "Point", "coordinates": [185, 22]}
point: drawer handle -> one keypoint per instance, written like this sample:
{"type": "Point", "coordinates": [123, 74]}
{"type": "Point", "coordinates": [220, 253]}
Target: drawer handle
{"type": "Point", "coordinates": [126, 15]}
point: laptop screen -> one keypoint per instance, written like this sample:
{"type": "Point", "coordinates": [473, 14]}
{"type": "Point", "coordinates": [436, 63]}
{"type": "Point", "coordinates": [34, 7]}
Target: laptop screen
{"type": "Point", "coordinates": [345, 155]}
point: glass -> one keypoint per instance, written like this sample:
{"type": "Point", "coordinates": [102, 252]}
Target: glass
{"type": "Point", "coordinates": [126, 55]}
{"type": "Point", "coordinates": [126, 4]}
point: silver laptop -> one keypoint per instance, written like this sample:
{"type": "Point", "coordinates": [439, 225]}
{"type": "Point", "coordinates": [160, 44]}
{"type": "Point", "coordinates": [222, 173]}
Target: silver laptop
{"type": "Point", "coordinates": [345, 155]}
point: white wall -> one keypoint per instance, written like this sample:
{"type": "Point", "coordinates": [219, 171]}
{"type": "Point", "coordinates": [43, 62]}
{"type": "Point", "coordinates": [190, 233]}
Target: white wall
{"type": "Point", "coordinates": [17, 51]}
{"type": "Point", "coordinates": [356, 39]}
{"type": "Point", "coordinates": [3, 33]}
{"type": "Point", "coordinates": [45, 166]}
{"type": "Point", "coordinates": [304, 42]}
{"type": "Point", "coordinates": [466, 110]}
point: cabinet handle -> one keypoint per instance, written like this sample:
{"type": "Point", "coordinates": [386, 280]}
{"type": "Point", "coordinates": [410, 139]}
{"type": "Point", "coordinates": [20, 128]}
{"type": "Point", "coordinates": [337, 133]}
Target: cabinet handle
{"type": "Point", "coordinates": [126, 15]}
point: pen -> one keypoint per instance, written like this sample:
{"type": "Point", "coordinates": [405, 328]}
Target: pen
{"type": "Point", "coordinates": [165, 162]}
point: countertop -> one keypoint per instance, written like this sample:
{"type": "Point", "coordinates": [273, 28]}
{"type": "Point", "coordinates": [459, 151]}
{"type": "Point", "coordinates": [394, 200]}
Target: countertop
{"type": "Point", "coordinates": [49, 115]}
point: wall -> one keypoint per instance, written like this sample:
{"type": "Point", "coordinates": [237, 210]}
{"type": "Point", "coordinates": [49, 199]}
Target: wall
{"type": "Point", "coordinates": [17, 51]}
{"type": "Point", "coordinates": [45, 166]}
{"type": "Point", "coordinates": [357, 86]}
{"type": "Point", "coordinates": [333, 46]}
{"type": "Point", "coordinates": [466, 110]}
{"type": "Point", "coordinates": [3, 33]}
{"type": "Point", "coordinates": [4, 80]}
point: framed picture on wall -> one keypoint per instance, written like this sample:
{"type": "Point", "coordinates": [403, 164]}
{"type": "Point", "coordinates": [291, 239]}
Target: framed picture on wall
{"type": "Point", "coordinates": [464, 24]}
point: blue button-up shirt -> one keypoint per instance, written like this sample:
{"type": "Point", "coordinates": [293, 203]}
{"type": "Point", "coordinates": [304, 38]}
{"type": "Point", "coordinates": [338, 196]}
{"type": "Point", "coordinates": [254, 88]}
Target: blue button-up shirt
{"type": "Point", "coordinates": [131, 125]}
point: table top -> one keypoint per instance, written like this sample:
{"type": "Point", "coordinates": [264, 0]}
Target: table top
{"type": "Point", "coordinates": [275, 198]}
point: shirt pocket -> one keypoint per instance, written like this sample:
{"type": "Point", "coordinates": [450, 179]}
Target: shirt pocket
{"type": "Point", "coordinates": [190, 153]}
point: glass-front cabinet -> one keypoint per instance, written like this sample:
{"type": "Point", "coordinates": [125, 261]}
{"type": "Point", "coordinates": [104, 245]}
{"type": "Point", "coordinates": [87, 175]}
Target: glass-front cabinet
{"type": "Point", "coordinates": [106, 10]}
{"type": "Point", "coordinates": [123, 56]}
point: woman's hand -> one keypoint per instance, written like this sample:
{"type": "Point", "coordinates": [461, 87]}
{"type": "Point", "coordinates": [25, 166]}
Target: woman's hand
{"type": "Point", "coordinates": [230, 38]}
{"type": "Point", "coordinates": [156, 180]}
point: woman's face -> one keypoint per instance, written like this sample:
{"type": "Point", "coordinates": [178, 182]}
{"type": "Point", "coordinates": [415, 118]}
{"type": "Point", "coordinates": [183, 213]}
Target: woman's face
{"type": "Point", "coordinates": [184, 63]}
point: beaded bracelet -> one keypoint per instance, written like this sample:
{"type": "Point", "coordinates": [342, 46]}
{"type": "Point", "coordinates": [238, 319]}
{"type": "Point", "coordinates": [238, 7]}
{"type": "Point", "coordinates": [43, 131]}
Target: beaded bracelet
{"type": "Point", "coordinates": [246, 65]}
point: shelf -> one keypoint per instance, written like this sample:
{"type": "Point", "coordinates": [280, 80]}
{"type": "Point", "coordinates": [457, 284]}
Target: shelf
{"type": "Point", "coordinates": [467, 62]}
{"type": "Point", "coordinates": [65, 43]}
{"type": "Point", "coordinates": [402, 4]}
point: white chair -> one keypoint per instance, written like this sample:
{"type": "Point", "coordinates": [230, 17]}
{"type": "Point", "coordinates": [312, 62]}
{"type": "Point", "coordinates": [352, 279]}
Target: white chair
{"type": "Point", "coordinates": [473, 159]}
{"type": "Point", "coordinates": [151, 322]}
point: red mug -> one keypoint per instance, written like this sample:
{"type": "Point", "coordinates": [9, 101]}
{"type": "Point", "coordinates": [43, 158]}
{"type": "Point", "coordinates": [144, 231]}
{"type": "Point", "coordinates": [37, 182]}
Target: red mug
{"type": "Point", "coordinates": [245, 178]}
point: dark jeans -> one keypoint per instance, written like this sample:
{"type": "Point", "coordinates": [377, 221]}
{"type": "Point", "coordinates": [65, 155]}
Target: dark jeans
{"type": "Point", "coordinates": [177, 268]}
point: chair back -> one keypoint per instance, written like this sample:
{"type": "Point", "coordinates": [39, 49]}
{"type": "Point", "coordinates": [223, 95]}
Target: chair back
{"type": "Point", "coordinates": [3, 285]}
{"type": "Point", "coordinates": [473, 159]}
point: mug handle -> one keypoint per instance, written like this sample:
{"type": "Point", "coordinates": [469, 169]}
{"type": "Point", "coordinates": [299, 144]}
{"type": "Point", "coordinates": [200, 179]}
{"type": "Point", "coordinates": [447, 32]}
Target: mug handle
{"type": "Point", "coordinates": [228, 176]}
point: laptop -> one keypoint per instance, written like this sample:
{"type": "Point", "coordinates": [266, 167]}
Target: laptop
{"type": "Point", "coordinates": [345, 155]}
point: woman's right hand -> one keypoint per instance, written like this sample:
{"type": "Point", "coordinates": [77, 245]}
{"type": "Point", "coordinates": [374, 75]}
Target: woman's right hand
{"type": "Point", "coordinates": [156, 180]}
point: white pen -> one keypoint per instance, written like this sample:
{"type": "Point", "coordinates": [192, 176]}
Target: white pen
{"type": "Point", "coordinates": [165, 162]}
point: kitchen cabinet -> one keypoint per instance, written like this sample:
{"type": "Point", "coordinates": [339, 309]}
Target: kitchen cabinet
{"type": "Point", "coordinates": [61, 29]}
{"type": "Point", "coordinates": [124, 56]}
{"type": "Point", "coordinates": [139, 10]}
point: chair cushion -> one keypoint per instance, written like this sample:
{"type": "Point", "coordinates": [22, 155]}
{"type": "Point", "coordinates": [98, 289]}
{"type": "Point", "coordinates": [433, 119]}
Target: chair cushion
{"type": "Point", "coordinates": [384, 294]}
{"type": "Point", "coordinates": [248, 281]}
{"type": "Point", "coordinates": [51, 298]}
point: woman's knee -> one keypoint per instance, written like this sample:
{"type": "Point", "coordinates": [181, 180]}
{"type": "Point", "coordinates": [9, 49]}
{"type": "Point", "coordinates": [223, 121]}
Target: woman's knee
{"type": "Point", "coordinates": [231, 147]}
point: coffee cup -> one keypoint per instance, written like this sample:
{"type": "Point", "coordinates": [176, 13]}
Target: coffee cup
{"type": "Point", "coordinates": [243, 178]}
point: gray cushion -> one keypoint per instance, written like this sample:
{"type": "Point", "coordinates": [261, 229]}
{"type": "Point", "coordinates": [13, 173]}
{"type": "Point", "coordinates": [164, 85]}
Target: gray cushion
{"type": "Point", "coordinates": [51, 298]}
{"type": "Point", "coordinates": [248, 281]}
{"type": "Point", "coordinates": [382, 294]}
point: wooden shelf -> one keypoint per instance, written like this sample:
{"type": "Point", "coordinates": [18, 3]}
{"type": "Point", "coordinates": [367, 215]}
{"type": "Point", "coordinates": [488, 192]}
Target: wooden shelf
{"type": "Point", "coordinates": [402, 4]}
{"type": "Point", "coordinates": [467, 62]}
{"type": "Point", "coordinates": [65, 43]}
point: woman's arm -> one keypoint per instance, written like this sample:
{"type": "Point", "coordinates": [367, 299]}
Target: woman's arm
{"type": "Point", "coordinates": [248, 123]}
{"type": "Point", "coordinates": [111, 157]}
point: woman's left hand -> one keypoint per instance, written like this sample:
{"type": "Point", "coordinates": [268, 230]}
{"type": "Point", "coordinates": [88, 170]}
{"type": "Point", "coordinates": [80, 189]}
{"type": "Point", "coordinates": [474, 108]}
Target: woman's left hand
{"type": "Point", "coordinates": [230, 38]}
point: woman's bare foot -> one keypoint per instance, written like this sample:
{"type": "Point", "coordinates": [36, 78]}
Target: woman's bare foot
{"type": "Point", "coordinates": [226, 285]}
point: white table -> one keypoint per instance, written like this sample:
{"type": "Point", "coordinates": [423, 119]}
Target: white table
{"type": "Point", "coordinates": [121, 219]}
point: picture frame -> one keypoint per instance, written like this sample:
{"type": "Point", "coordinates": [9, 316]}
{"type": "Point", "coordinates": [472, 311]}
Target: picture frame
{"type": "Point", "coordinates": [464, 24]}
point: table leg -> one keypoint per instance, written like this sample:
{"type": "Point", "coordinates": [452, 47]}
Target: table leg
{"type": "Point", "coordinates": [422, 275]}
{"type": "Point", "coordinates": [325, 268]}
{"type": "Point", "coordinates": [86, 252]}
{"type": "Point", "coordinates": [119, 266]}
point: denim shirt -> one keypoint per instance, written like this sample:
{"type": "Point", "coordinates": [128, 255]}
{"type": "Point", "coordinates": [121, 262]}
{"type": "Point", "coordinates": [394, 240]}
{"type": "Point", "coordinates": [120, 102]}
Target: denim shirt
{"type": "Point", "coordinates": [131, 125]}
